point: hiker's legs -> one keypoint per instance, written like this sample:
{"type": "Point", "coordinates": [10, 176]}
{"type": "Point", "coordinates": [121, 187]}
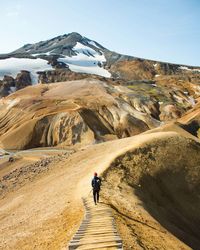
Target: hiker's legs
{"type": "Point", "coordinates": [94, 196]}
{"type": "Point", "coordinates": [98, 195]}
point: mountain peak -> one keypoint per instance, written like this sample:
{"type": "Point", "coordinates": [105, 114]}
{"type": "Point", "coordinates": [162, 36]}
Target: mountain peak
{"type": "Point", "coordinates": [69, 51]}
{"type": "Point", "coordinates": [80, 54]}
{"type": "Point", "coordinates": [57, 44]}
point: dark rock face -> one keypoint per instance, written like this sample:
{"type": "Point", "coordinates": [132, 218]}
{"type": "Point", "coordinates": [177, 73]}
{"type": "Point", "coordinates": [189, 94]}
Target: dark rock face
{"type": "Point", "coordinates": [166, 68]}
{"type": "Point", "coordinates": [57, 65]}
{"type": "Point", "coordinates": [9, 81]}
{"type": "Point", "coordinates": [60, 75]}
{"type": "Point", "coordinates": [23, 79]}
{"type": "Point", "coordinates": [4, 90]}
{"type": "Point", "coordinates": [5, 85]}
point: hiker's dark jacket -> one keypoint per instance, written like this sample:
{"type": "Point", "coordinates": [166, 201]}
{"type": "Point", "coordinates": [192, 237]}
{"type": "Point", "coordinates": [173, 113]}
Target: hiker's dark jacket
{"type": "Point", "coordinates": [96, 183]}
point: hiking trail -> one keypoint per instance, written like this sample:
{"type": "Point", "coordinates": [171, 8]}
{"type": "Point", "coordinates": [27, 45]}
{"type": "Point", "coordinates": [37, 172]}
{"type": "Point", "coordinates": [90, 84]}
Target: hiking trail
{"type": "Point", "coordinates": [97, 230]}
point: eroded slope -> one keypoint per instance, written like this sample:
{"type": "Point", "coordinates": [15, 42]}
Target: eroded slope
{"type": "Point", "coordinates": [84, 112]}
{"type": "Point", "coordinates": [154, 189]}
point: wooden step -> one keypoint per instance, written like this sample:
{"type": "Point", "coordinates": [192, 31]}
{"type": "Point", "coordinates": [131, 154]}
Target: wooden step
{"type": "Point", "coordinates": [97, 230]}
{"type": "Point", "coordinates": [94, 244]}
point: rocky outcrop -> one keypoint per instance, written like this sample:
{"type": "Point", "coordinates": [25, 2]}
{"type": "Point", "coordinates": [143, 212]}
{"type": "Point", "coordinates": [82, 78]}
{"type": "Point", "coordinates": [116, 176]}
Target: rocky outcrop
{"type": "Point", "coordinates": [4, 89]}
{"type": "Point", "coordinates": [56, 64]}
{"type": "Point", "coordinates": [9, 81]}
{"type": "Point", "coordinates": [9, 84]}
{"type": "Point", "coordinates": [6, 85]}
{"type": "Point", "coordinates": [166, 68]}
{"type": "Point", "coordinates": [23, 79]}
{"type": "Point", "coordinates": [60, 75]}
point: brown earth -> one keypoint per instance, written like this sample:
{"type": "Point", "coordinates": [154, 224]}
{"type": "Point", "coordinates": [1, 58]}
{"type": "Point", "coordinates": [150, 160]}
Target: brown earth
{"type": "Point", "coordinates": [84, 112]}
{"type": "Point", "coordinates": [151, 180]}
{"type": "Point", "coordinates": [151, 191]}
{"type": "Point", "coordinates": [180, 82]}
{"type": "Point", "coordinates": [134, 69]}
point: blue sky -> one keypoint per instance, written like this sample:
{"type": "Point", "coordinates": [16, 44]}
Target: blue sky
{"type": "Point", "coordinates": [166, 30]}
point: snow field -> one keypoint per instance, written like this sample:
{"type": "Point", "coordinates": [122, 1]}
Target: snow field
{"type": "Point", "coordinates": [12, 66]}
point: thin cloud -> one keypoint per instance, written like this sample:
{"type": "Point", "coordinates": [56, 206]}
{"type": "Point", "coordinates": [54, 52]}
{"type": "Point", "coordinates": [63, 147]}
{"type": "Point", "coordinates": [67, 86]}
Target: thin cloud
{"type": "Point", "coordinates": [12, 14]}
{"type": "Point", "coordinates": [14, 11]}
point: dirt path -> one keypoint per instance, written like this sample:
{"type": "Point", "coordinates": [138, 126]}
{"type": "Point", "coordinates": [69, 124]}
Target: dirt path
{"type": "Point", "coordinates": [45, 213]}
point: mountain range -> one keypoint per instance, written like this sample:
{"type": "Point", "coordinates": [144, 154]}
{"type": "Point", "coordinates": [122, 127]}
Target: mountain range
{"type": "Point", "coordinates": [70, 107]}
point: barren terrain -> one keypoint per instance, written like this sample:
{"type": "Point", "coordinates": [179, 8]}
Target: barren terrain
{"type": "Point", "coordinates": [45, 211]}
{"type": "Point", "coordinates": [134, 121]}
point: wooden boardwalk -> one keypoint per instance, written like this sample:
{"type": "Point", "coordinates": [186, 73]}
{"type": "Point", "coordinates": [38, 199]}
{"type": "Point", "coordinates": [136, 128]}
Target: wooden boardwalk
{"type": "Point", "coordinates": [97, 230]}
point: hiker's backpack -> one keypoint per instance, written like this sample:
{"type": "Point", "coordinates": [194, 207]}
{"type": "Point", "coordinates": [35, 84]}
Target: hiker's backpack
{"type": "Point", "coordinates": [96, 183]}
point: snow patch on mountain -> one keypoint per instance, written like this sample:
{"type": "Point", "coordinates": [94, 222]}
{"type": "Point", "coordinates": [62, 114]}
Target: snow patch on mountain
{"type": "Point", "coordinates": [93, 43]}
{"type": "Point", "coordinates": [186, 68]}
{"type": "Point", "coordinates": [83, 49]}
{"type": "Point", "coordinates": [86, 60]}
{"type": "Point", "coordinates": [12, 66]}
{"type": "Point", "coordinates": [89, 70]}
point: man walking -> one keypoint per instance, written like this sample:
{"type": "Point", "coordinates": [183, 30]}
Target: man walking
{"type": "Point", "coordinates": [96, 184]}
